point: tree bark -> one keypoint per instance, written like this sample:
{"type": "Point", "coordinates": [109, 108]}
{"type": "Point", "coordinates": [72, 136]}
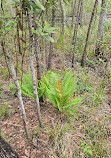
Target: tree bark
{"type": "Point", "coordinates": [8, 55]}
{"type": "Point", "coordinates": [75, 33]}
{"type": "Point", "coordinates": [73, 14]}
{"type": "Point", "coordinates": [32, 68]}
{"type": "Point", "coordinates": [11, 9]}
{"type": "Point", "coordinates": [101, 26]}
{"type": "Point", "coordinates": [38, 55]}
{"type": "Point", "coordinates": [88, 32]}
{"type": "Point", "coordinates": [37, 50]}
{"type": "Point", "coordinates": [52, 35]}
{"type": "Point", "coordinates": [6, 151]}
{"type": "Point", "coordinates": [46, 54]}
{"type": "Point", "coordinates": [81, 20]}
{"type": "Point", "coordinates": [2, 6]}
{"type": "Point", "coordinates": [63, 16]}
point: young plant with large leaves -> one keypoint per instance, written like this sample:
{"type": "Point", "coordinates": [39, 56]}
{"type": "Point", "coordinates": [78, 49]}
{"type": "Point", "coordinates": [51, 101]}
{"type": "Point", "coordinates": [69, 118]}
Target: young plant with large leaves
{"type": "Point", "coordinates": [61, 91]}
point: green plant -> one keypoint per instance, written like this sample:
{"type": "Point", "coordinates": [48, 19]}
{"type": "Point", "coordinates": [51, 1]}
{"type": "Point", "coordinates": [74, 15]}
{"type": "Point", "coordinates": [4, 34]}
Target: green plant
{"type": "Point", "coordinates": [37, 131]}
{"type": "Point", "coordinates": [4, 111]}
{"type": "Point", "coordinates": [27, 86]}
{"type": "Point", "coordinates": [89, 62]}
{"type": "Point", "coordinates": [98, 96]}
{"type": "Point", "coordinates": [84, 83]}
{"type": "Point", "coordinates": [86, 148]}
{"type": "Point", "coordinates": [107, 25]}
{"type": "Point", "coordinates": [2, 134]}
{"type": "Point", "coordinates": [61, 91]}
{"type": "Point", "coordinates": [1, 90]}
{"type": "Point", "coordinates": [45, 31]}
{"type": "Point", "coordinates": [13, 88]}
{"type": "Point", "coordinates": [100, 61]}
{"type": "Point", "coordinates": [60, 44]}
{"type": "Point", "coordinates": [99, 149]}
{"type": "Point", "coordinates": [4, 73]}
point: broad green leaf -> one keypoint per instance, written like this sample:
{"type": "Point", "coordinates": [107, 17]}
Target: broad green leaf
{"type": "Point", "coordinates": [49, 38]}
{"type": "Point", "coordinates": [28, 4]}
{"type": "Point", "coordinates": [90, 152]}
{"type": "Point", "coordinates": [48, 5]}
{"type": "Point", "coordinates": [39, 5]}
{"type": "Point", "coordinates": [35, 31]}
{"type": "Point", "coordinates": [1, 22]}
{"type": "Point", "coordinates": [76, 116]}
{"type": "Point", "coordinates": [39, 24]}
{"type": "Point", "coordinates": [82, 144]}
{"type": "Point", "coordinates": [66, 1]}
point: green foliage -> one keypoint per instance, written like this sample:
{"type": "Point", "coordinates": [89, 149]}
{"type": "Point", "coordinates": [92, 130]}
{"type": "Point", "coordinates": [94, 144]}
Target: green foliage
{"type": "Point", "coordinates": [6, 26]}
{"type": "Point", "coordinates": [45, 31]}
{"type": "Point", "coordinates": [61, 91]}
{"type": "Point", "coordinates": [84, 83]}
{"type": "Point", "coordinates": [13, 88]}
{"type": "Point", "coordinates": [27, 86]}
{"type": "Point", "coordinates": [100, 61]}
{"type": "Point", "coordinates": [30, 4]}
{"type": "Point", "coordinates": [1, 90]}
{"type": "Point", "coordinates": [4, 111]}
{"type": "Point", "coordinates": [86, 148]}
{"type": "Point", "coordinates": [99, 150]}
{"type": "Point", "coordinates": [89, 62]}
{"type": "Point", "coordinates": [98, 96]}
{"type": "Point", "coordinates": [2, 134]}
{"type": "Point", "coordinates": [4, 74]}
{"type": "Point", "coordinates": [110, 74]}
{"type": "Point", "coordinates": [107, 25]}
{"type": "Point", "coordinates": [60, 42]}
{"type": "Point", "coordinates": [66, 1]}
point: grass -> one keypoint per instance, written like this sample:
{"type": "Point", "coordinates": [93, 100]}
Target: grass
{"type": "Point", "coordinates": [4, 111]}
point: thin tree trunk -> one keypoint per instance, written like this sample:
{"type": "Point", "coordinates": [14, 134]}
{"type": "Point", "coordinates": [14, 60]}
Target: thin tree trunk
{"type": "Point", "coordinates": [73, 13]}
{"type": "Point", "coordinates": [6, 151]}
{"type": "Point", "coordinates": [82, 13]}
{"type": "Point", "coordinates": [101, 26]}
{"type": "Point", "coordinates": [88, 32]}
{"type": "Point", "coordinates": [2, 6]}
{"type": "Point", "coordinates": [52, 35]}
{"type": "Point", "coordinates": [19, 47]}
{"type": "Point", "coordinates": [38, 55]}
{"type": "Point", "coordinates": [46, 56]}
{"type": "Point", "coordinates": [11, 9]}
{"type": "Point", "coordinates": [75, 33]}
{"type": "Point", "coordinates": [33, 69]}
{"type": "Point", "coordinates": [8, 55]}
{"type": "Point", "coordinates": [37, 50]}
{"type": "Point", "coordinates": [63, 17]}
{"type": "Point", "coordinates": [18, 38]}
{"type": "Point", "coordinates": [7, 67]}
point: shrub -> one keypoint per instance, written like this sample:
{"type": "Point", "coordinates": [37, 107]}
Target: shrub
{"type": "Point", "coordinates": [61, 91]}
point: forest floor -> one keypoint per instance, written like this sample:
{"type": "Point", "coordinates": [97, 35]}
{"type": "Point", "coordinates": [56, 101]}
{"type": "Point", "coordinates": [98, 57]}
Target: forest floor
{"type": "Point", "coordinates": [62, 136]}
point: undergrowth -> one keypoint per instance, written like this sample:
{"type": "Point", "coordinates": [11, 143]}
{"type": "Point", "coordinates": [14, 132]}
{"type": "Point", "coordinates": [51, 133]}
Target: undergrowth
{"type": "Point", "coordinates": [61, 90]}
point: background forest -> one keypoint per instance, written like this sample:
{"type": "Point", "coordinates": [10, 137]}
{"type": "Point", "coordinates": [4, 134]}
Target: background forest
{"type": "Point", "coordinates": [55, 78]}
